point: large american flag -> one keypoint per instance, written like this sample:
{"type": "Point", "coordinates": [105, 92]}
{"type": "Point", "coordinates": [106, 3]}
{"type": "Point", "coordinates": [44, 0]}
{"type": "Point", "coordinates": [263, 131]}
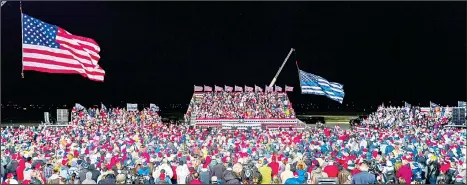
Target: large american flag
{"type": "Point", "coordinates": [51, 49]}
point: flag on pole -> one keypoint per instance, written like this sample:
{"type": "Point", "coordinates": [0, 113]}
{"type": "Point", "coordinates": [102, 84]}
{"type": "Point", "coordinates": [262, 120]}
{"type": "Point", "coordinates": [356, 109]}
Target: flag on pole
{"type": "Point", "coordinates": [198, 88]}
{"type": "Point", "coordinates": [288, 89]}
{"type": "Point", "coordinates": [79, 106]}
{"type": "Point", "coordinates": [314, 84]}
{"type": "Point", "coordinates": [153, 107]}
{"type": "Point", "coordinates": [278, 88]}
{"type": "Point", "coordinates": [238, 89]}
{"type": "Point", "coordinates": [269, 89]}
{"type": "Point", "coordinates": [207, 89]}
{"type": "Point", "coordinates": [103, 107]}
{"type": "Point", "coordinates": [408, 105]}
{"type": "Point", "coordinates": [217, 88]}
{"type": "Point", "coordinates": [228, 88]}
{"type": "Point", "coordinates": [433, 105]}
{"type": "Point", "coordinates": [248, 89]}
{"type": "Point", "coordinates": [50, 49]}
{"type": "Point", "coordinates": [258, 89]}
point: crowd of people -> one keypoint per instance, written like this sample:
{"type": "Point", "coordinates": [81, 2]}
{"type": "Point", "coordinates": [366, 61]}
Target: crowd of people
{"type": "Point", "coordinates": [116, 146]}
{"type": "Point", "coordinates": [242, 105]}
{"type": "Point", "coordinates": [389, 117]}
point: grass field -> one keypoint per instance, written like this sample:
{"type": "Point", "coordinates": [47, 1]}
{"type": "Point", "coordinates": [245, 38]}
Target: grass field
{"type": "Point", "coordinates": [339, 119]}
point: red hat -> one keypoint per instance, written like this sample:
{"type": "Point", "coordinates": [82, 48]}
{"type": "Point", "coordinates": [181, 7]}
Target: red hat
{"type": "Point", "coordinates": [205, 165]}
{"type": "Point", "coordinates": [295, 174]}
{"type": "Point", "coordinates": [64, 162]}
{"type": "Point", "coordinates": [162, 176]}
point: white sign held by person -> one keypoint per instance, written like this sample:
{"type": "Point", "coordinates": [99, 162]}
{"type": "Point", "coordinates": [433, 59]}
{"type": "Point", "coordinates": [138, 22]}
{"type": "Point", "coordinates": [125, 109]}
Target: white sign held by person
{"type": "Point", "coordinates": [131, 107]}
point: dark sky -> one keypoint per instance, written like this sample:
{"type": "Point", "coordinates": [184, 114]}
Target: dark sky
{"type": "Point", "coordinates": [154, 52]}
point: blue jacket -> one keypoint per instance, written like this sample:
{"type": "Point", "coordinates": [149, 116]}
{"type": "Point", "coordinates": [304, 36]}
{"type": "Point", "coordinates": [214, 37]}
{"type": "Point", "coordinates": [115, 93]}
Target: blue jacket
{"type": "Point", "coordinates": [363, 177]}
{"type": "Point", "coordinates": [293, 181]}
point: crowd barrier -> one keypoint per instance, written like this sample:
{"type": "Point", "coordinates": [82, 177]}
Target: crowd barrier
{"type": "Point", "coordinates": [248, 123]}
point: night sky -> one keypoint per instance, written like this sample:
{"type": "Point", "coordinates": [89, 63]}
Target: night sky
{"type": "Point", "coordinates": [154, 52]}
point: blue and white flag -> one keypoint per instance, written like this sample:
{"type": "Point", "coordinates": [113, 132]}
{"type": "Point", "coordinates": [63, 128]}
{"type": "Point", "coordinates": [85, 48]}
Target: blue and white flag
{"type": "Point", "coordinates": [153, 107]}
{"type": "Point", "coordinates": [433, 105]}
{"type": "Point", "coordinates": [313, 84]}
{"type": "Point", "coordinates": [408, 105]}
{"type": "Point", "coordinates": [79, 106]}
{"type": "Point", "coordinates": [103, 107]}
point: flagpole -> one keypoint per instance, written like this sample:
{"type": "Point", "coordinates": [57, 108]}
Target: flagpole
{"type": "Point", "coordinates": [22, 41]}
{"type": "Point", "coordinates": [280, 69]}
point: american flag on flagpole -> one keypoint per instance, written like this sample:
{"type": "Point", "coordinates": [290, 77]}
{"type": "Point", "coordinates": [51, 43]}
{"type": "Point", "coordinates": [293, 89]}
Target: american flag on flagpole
{"type": "Point", "coordinates": [278, 88]}
{"type": "Point", "coordinates": [269, 89]}
{"type": "Point", "coordinates": [207, 89]}
{"type": "Point", "coordinates": [198, 88]}
{"type": "Point", "coordinates": [50, 49]}
{"type": "Point", "coordinates": [237, 88]}
{"type": "Point", "coordinates": [288, 89]}
{"type": "Point", "coordinates": [217, 88]}
{"type": "Point", "coordinates": [248, 89]}
{"type": "Point", "coordinates": [228, 88]}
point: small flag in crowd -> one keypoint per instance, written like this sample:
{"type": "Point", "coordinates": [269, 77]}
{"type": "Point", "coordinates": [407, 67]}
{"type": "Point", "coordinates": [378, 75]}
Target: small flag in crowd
{"type": "Point", "coordinates": [408, 105]}
{"type": "Point", "coordinates": [258, 89]}
{"type": "Point", "coordinates": [50, 49]}
{"type": "Point", "coordinates": [103, 107]}
{"type": "Point", "coordinates": [238, 89]}
{"type": "Point", "coordinates": [79, 106]}
{"type": "Point", "coordinates": [153, 107]}
{"type": "Point", "coordinates": [269, 89]}
{"type": "Point", "coordinates": [433, 105]}
{"type": "Point", "coordinates": [314, 84]}
{"type": "Point", "coordinates": [228, 88]}
{"type": "Point", "coordinates": [207, 89]}
{"type": "Point", "coordinates": [248, 89]}
{"type": "Point", "coordinates": [198, 88]}
{"type": "Point", "coordinates": [288, 89]}
{"type": "Point", "coordinates": [278, 88]}
{"type": "Point", "coordinates": [217, 88]}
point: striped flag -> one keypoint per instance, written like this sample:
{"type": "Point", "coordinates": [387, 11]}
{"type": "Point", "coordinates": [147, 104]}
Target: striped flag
{"type": "Point", "coordinates": [278, 88]}
{"type": "Point", "coordinates": [248, 89]}
{"type": "Point", "coordinates": [198, 88]}
{"type": "Point", "coordinates": [433, 105]}
{"type": "Point", "coordinates": [103, 107]}
{"type": "Point", "coordinates": [314, 84]}
{"type": "Point", "coordinates": [217, 88]}
{"type": "Point", "coordinates": [207, 89]}
{"type": "Point", "coordinates": [50, 49]}
{"type": "Point", "coordinates": [288, 89]}
{"type": "Point", "coordinates": [238, 89]}
{"type": "Point", "coordinates": [79, 106]}
{"type": "Point", "coordinates": [228, 88]}
{"type": "Point", "coordinates": [258, 89]}
{"type": "Point", "coordinates": [269, 89]}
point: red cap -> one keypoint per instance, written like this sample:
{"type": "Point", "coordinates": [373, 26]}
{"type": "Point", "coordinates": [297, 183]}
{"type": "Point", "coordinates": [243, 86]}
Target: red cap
{"type": "Point", "coordinates": [10, 175]}
{"type": "Point", "coordinates": [295, 174]}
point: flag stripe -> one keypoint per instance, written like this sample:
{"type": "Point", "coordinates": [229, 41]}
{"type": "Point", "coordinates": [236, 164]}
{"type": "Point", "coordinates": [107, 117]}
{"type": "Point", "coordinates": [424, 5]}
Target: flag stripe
{"type": "Point", "coordinates": [58, 69]}
{"type": "Point", "coordinates": [313, 84]}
